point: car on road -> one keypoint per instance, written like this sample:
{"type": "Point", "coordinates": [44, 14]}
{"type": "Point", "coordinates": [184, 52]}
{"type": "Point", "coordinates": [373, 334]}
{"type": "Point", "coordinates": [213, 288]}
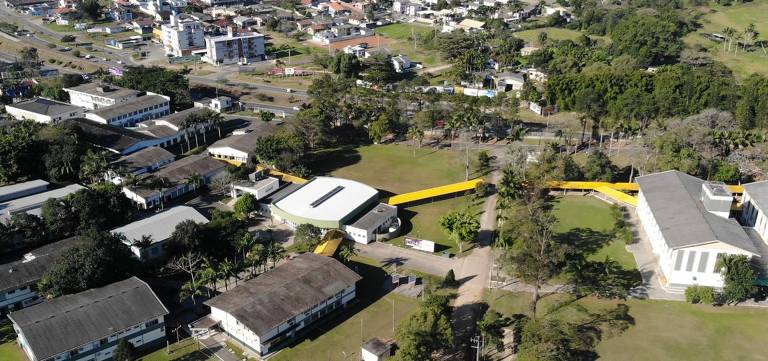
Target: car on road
{"type": "Point", "coordinates": [288, 90]}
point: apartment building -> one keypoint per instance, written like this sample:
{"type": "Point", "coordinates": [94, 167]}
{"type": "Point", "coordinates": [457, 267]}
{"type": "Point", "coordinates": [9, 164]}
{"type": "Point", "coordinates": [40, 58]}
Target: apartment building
{"type": "Point", "coordinates": [182, 36]}
{"type": "Point", "coordinates": [241, 48]}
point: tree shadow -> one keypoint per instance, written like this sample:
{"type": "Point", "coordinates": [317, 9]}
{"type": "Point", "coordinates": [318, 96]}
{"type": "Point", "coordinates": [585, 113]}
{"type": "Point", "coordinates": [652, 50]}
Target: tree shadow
{"type": "Point", "coordinates": [327, 161]}
{"type": "Point", "coordinates": [584, 240]}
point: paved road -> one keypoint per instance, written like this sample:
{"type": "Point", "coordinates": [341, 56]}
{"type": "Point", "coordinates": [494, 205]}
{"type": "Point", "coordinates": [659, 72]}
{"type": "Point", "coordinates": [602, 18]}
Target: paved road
{"type": "Point", "coordinates": [403, 257]}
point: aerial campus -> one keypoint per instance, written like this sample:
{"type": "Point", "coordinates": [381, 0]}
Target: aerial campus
{"type": "Point", "coordinates": [408, 180]}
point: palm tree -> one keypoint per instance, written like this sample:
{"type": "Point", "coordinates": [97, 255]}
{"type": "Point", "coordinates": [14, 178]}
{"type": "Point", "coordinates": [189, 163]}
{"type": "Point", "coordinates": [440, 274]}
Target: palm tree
{"type": "Point", "coordinates": [276, 253]}
{"type": "Point", "coordinates": [210, 275]}
{"type": "Point", "coordinates": [192, 289]}
{"type": "Point", "coordinates": [216, 119]}
{"type": "Point", "coordinates": [517, 133]}
{"type": "Point", "coordinates": [195, 179]}
{"type": "Point", "coordinates": [227, 270]}
{"type": "Point", "coordinates": [346, 252]}
{"type": "Point", "coordinates": [143, 243]}
{"type": "Point", "coordinates": [416, 135]}
{"type": "Point", "coordinates": [256, 257]}
{"type": "Point", "coordinates": [729, 33]}
{"type": "Point", "coordinates": [190, 124]}
{"type": "Point", "coordinates": [93, 165]}
{"type": "Point", "coordinates": [244, 244]}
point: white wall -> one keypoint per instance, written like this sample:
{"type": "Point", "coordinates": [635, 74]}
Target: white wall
{"type": "Point", "coordinates": [229, 153]}
{"type": "Point", "coordinates": [93, 101]}
{"type": "Point", "coordinates": [25, 295]}
{"type": "Point", "coordinates": [21, 114]}
{"type": "Point", "coordinates": [753, 216]}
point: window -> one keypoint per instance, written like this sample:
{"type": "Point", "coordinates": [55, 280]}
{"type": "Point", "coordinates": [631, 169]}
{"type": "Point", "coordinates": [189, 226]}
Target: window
{"type": "Point", "coordinates": [703, 259]}
{"type": "Point", "coordinates": [152, 322]}
{"type": "Point", "coordinates": [691, 259]}
{"type": "Point", "coordinates": [715, 267]}
{"type": "Point", "coordinates": [679, 260]}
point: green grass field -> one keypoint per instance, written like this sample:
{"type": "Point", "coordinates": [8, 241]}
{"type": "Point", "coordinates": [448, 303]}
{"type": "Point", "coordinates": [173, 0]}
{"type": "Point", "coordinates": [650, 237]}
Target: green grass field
{"type": "Point", "coordinates": [667, 330]}
{"type": "Point", "coordinates": [593, 214]}
{"type": "Point", "coordinates": [403, 31]}
{"type": "Point", "coordinates": [392, 168]}
{"type": "Point", "coordinates": [737, 16]}
{"type": "Point", "coordinates": [185, 350]}
{"type": "Point", "coordinates": [532, 36]}
{"type": "Point", "coordinates": [421, 221]}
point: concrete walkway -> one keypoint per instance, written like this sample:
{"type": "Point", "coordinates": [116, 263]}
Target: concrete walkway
{"type": "Point", "coordinates": [647, 264]}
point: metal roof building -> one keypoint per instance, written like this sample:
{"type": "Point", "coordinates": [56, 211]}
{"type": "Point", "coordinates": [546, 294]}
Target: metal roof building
{"type": "Point", "coordinates": [160, 227]}
{"type": "Point", "coordinates": [91, 322]}
{"type": "Point", "coordinates": [326, 202]}
{"type": "Point", "coordinates": [22, 189]}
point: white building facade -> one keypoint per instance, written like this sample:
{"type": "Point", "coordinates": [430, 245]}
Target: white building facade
{"type": "Point", "coordinates": [242, 48]}
{"type": "Point", "coordinates": [180, 37]}
{"type": "Point", "coordinates": [128, 114]}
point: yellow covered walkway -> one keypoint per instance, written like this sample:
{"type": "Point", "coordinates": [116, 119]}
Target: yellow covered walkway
{"type": "Point", "coordinates": [434, 192]}
{"type": "Point", "coordinates": [331, 242]}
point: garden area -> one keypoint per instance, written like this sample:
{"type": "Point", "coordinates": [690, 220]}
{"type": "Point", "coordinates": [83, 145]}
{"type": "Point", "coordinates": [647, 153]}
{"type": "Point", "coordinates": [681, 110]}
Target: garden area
{"type": "Point", "coordinates": [662, 330]}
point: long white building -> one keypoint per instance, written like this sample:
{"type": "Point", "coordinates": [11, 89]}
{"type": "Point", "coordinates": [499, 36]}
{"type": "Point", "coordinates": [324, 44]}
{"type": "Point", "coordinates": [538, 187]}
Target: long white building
{"type": "Point", "coordinates": [241, 48]}
{"type": "Point", "coordinates": [159, 228]}
{"type": "Point", "coordinates": [88, 325]}
{"type": "Point", "coordinates": [266, 312]}
{"type": "Point", "coordinates": [95, 96]}
{"type": "Point", "coordinates": [43, 110]}
{"type": "Point", "coordinates": [133, 111]}
{"type": "Point", "coordinates": [687, 222]}
{"type": "Point", "coordinates": [181, 36]}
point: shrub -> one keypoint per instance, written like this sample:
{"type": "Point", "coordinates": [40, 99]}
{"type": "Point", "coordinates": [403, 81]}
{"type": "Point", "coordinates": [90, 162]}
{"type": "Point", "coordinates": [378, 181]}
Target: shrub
{"type": "Point", "coordinates": [51, 45]}
{"type": "Point", "coordinates": [76, 53]}
{"type": "Point", "coordinates": [700, 294]}
{"type": "Point", "coordinates": [67, 38]}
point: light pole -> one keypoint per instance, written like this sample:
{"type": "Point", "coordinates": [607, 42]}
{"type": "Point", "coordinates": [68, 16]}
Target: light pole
{"type": "Point", "coordinates": [393, 315]}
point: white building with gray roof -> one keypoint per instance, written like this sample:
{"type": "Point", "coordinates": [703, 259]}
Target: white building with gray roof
{"type": "Point", "coordinates": [43, 110]}
{"type": "Point", "coordinates": [95, 95]}
{"type": "Point", "coordinates": [23, 189]}
{"type": "Point", "coordinates": [89, 324]}
{"type": "Point", "coordinates": [31, 204]}
{"type": "Point", "coordinates": [133, 111]}
{"type": "Point", "coordinates": [266, 312]}
{"type": "Point", "coordinates": [688, 225]}
{"type": "Point", "coordinates": [158, 228]}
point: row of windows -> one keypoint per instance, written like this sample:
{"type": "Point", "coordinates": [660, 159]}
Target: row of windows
{"type": "Point", "coordinates": [691, 260]}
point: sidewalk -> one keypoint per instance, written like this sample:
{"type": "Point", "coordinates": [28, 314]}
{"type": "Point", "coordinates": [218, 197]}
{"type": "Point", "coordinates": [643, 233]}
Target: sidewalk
{"type": "Point", "coordinates": [403, 257]}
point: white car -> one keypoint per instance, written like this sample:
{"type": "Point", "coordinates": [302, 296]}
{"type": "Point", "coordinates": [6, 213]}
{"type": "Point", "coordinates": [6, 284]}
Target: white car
{"type": "Point", "coordinates": [289, 90]}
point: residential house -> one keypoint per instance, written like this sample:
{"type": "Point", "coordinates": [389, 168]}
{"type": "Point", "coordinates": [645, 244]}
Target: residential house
{"type": "Point", "coordinates": [94, 95]}
{"type": "Point", "coordinates": [119, 12]}
{"type": "Point", "coordinates": [687, 223]}
{"type": "Point", "coordinates": [17, 4]}
{"type": "Point", "coordinates": [256, 312]}
{"type": "Point", "coordinates": [405, 8]}
{"type": "Point", "coordinates": [43, 110]}
{"type": "Point", "coordinates": [158, 228]}
{"type": "Point", "coordinates": [536, 75]}
{"type": "Point", "coordinates": [528, 50]}
{"type": "Point", "coordinates": [754, 207]}
{"type": "Point", "coordinates": [509, 81]}
{"type": "Point", "coordinates": [402, 64]}
{"type": "Point", "coordinates": [18, 286]}
{"type": "Point", "coordinates": [88, 325]}
{"type": "Point", "coordinates": [469, 25]}
{"type": "Point", "coordinates": [376, 349]}
{"type": "Point", "coordinates": [179, 176]}
{"type": "Point", "coordinates": [242, 48]}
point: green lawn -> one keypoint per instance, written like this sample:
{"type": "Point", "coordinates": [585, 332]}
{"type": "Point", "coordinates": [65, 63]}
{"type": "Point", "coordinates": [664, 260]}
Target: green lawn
{"type": "Point", "coordinates": [421, 221]}
{"type": "Point", "coordinates": [9, 350]}
{"type": "Point", "coordinates": [186, 350]}
{"type": "Point", "coordinates": [594, 216]}
{"type": "Point", "coordinates": [392, 168]}
{"type": "Point", "coordinates": [668, 330]}
{"type": "Point", "coordinates": [737, 16]}
{"type": "Point", "coordinates": [403, 31]}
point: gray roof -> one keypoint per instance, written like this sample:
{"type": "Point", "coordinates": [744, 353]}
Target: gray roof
{"type": "Point", "coordinates": [674, 199]}
{"type": "Point", "coordinates": [45, 106]}
{"type": "Point", "coordinates": [758, 191]}
{"type": "Point", "coordinates": [161, 225]}
{"type": "Point", "coordinates": [10, 191]}
{"type": "Point", "coordinates": [105, 90]}
{"type": "Point", "coordinates": [281, 193]}
{"type": "Point", "coordinates": [116, 139]}
{"type": "Point", "coordinates": [31, 204]}
{"type": "Point", "coordinates": [276, 296]}
{"type": "Point", "coordinates": [129, 106]}
{"type": "Point", "coordinates": [157, 131]}
{"type": "Point", "coordinates": [143, 159]}
{"type": "Point", "coordinates": [32, 267]}
{"type": "Point", "coordinates": [68, 322]}
{"type": "Point", "coordinates": [376, 216]}
{"type": "Point", "coordinates": [247, 142]}
{"type": "Point", "coordinates": [188, 166]}
{"type": "Point", "coordinates": [179, 117]}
